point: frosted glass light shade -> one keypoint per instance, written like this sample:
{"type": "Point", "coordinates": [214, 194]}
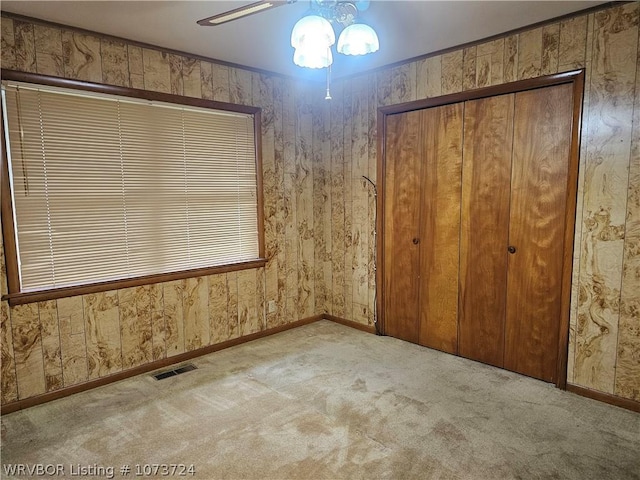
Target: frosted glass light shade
{"type": "Point", "coordinates": [312, 30]}
{"type": "Point", "coordinates": [313, 57]}
{"type": "Point", "coordinates": [358, 39]}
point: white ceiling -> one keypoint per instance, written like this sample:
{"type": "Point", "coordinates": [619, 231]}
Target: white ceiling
{"type": "Point", "coordinates": [406, 28]}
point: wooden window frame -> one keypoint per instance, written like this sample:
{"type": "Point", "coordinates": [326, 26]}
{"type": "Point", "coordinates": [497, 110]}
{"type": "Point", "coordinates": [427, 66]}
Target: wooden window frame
{"type": "Point", "coordinates": [16, 297]}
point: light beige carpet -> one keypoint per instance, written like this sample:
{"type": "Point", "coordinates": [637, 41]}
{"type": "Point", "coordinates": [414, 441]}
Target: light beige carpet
{"type": "Point", "coordinates": [328, 402]}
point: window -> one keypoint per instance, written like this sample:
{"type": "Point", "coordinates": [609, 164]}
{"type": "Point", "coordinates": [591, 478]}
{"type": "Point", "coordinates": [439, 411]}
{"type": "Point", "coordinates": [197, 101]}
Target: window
{"type": "Point", "coordinates": [107, 188]}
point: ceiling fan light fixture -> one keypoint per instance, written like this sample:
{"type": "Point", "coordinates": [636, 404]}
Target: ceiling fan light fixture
{"type": "Point", "coordinates": [312, 31]}
{"type": "Point", "coordinates": [358, 39]}
{"type": "Point", "coordinates": [310, 56]}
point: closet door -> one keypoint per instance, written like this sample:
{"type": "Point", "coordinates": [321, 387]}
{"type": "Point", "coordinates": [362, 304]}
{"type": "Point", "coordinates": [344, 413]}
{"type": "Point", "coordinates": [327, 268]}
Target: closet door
{"type": "Point", "coordinates": [541, 149]}
{"type": "Point", "coordinates": [484, 231]}
{"type": "Point", "coordinates": [403, 182]}
{"type": "Point", "coordinates": [422, 211]}
{"type": "Point", "coordinates": [440, 226]}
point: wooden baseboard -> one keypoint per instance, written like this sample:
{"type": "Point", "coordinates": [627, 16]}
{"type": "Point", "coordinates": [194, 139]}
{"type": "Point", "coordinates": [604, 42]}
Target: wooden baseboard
{"type": "Point", "coordinates": [148, 367]}
{"type": "Point", "coordinates": [604, 397]}
{"type": "Point", "coordinates": [350, 323]}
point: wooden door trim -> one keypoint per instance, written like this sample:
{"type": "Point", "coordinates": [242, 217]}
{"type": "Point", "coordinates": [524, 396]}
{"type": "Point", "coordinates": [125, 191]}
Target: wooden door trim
{"type": "Point", "coordinates": [569, 229]}
{"type": "Point", "coordinates": [492, 91]}
{"type": "Point", "coordinates": [576, 77]}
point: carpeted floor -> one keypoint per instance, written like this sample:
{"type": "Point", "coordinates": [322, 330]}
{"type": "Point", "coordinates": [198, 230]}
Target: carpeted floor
{"type": "Point", "coordinates": [328, 402]}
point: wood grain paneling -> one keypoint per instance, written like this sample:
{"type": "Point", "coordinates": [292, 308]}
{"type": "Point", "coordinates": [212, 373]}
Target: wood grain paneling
{"type": "Point", "coordinates": [115, 62]}
{"type": "Point", "coordinates": [429, 73]}
{"type": "Point", "coordinates": [8, 381]}
{"type": "Point", "coordinates": [609, 120]}
{"type": "Point", "coordinates": [348, 197]}
{"type": "Point", "coordinates": [403, 83]}
{"type": "Point", "coordinates": [175, 72]}
{"type": "Point", "coordinates": [279, 172]}
{"type": "Point", "coordinates": [452, 72]}
{"type": "Point", "coordinates": [27, 347]}
{"type": "Point", "coordinates": [440, 226]}
{"type": "Point", "coordinates": [290, 273]}
{"type": "Point", "coordinates": [191, 77]}
{"type": "Point", "coordinates": [240, 85]}
{"type": "Point", "coordinates": [24, 46]}
{"type": "Point", "coordinates": [73, 345]}
{"type": "Point", "coordinates": [158, 327]}
{"type": "Point", "coordinates": [321, 206]}
{"type": "Point", "coordinates": [51, 345]}
{"type": "Point", "coordinates": [156, 70]}
{"type": "Point", "coordinates": [264, 97]}
{"type": "Point", "coordinates": [511, 58]}
{"type": "Point", "coordinates": [303, 188]}
{"type": "Point", "coordinates": [530, 54]}
{"type": "Point", "coordinates": [135, 326]}
{"type": "Point", "coordinates": [221, 83]}
{"type": "Point", "coordinates": [486, 177]}
{"type": "Point", "coordinates": [136, 67]}
{"type": "Point", "coordinates": [372, 135]}
{"type": "Point", "coordinates": [579, 224]}
{"type": "Point", "coordinates": [469, 73]}
{"type": "Point", "coordinates": [218, 304]}
{"type": "Point", "coordinates": [337, 203]}
{"type": "Point", "coordinates": [102, 331]}
{"type": "Point", "coordinates": [490, 63]}
{"type": "Point", "coordinates": [49, 51]}
{"type": "Point", "coordinates": [550, 49]}
{"type": "Point", "coordinates": [627, 379]}
{"type": "Point", "coordinates": [174, 317]}
{"type": "Point", "coordinates": [383, 81]}
{"type": "Point", "coordinates": [195, 305]}
{"type": "Point", "coordinates": [403, 178]}
{"type": "Point", "coordinates": [7, 43]}
{"type": "Point", "coordinates": [248, 320]}
{"type": "Point", "coordinates": [81, 56]}
{"type": "Point", "coordinates": [541, 147]}
{"type": "Point", "coordinates": [206, 80]}
{"type": "Point", "coordinates": [360, 202]}
{"type": "Point", "coordinates": [572, 43]}
{"type": "Point", "coordinates": [261, 302]}
{"type": "Point", "coordinates": [233, 305]}
{"type": "Point", "coordinates": [326, 259]}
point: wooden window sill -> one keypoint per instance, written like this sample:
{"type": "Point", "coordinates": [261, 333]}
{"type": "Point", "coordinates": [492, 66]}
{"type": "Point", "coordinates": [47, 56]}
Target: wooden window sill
{"type": "Point", "coordinates": [22, 298]}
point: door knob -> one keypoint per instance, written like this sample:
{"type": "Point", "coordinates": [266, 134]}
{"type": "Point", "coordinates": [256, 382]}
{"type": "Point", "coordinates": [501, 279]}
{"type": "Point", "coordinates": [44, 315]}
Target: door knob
{"type": "Point", "coordinates": [416, 241]}
{"type": "Point", "coordinates": [511, 249]}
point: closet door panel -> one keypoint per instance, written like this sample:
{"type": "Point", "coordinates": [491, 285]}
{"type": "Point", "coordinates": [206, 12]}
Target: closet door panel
{"type": "Point", "coordinates": [486, 179]}
{"type": "Point", "coordinates": [440, 226]}
{"type": "Point", "coordinates": [403, 166]}
{"type": "Point", "coordinates": [542, 142]}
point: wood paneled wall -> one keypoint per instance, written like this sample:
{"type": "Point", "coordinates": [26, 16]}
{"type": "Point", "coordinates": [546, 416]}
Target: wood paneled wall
{"type": "Point", "coordinates": [319, 211]}
{"type": "Point", "coordinates": [50, 345]}
{"type": "Point", "coordinates": [604, 350]}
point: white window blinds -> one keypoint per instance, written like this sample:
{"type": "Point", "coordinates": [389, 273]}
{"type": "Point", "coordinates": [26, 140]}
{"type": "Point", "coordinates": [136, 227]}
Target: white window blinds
{"type": "Point", "coordinates": [107, 188]}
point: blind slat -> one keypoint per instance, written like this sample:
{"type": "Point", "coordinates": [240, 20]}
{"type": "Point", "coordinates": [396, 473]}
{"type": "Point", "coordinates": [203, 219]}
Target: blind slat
{"type": "Point", "coordinates": [109, 187]}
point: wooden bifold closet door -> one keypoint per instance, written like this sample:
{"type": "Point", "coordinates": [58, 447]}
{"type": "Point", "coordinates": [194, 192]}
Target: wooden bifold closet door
{"type": "Point", "coordinates": [475, 208]}
{"type": "Point", "coordinates": [422, 229]}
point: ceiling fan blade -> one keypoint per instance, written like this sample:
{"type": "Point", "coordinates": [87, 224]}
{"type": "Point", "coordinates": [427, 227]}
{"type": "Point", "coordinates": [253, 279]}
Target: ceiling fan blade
{"type": "Point", "coordinates": [242, 12]}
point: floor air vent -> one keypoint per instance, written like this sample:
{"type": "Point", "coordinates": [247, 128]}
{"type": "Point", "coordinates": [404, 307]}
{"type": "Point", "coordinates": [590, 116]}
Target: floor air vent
{"type": "Point", "coordinates": [170, 373]}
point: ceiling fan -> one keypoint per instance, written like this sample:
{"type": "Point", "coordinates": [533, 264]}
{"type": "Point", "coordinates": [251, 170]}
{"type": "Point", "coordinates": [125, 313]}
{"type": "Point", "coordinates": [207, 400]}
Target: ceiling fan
{"type": "Point", "coordinates": [314, 34]}
{"type": "Point", "coordinates": [243, 11]}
